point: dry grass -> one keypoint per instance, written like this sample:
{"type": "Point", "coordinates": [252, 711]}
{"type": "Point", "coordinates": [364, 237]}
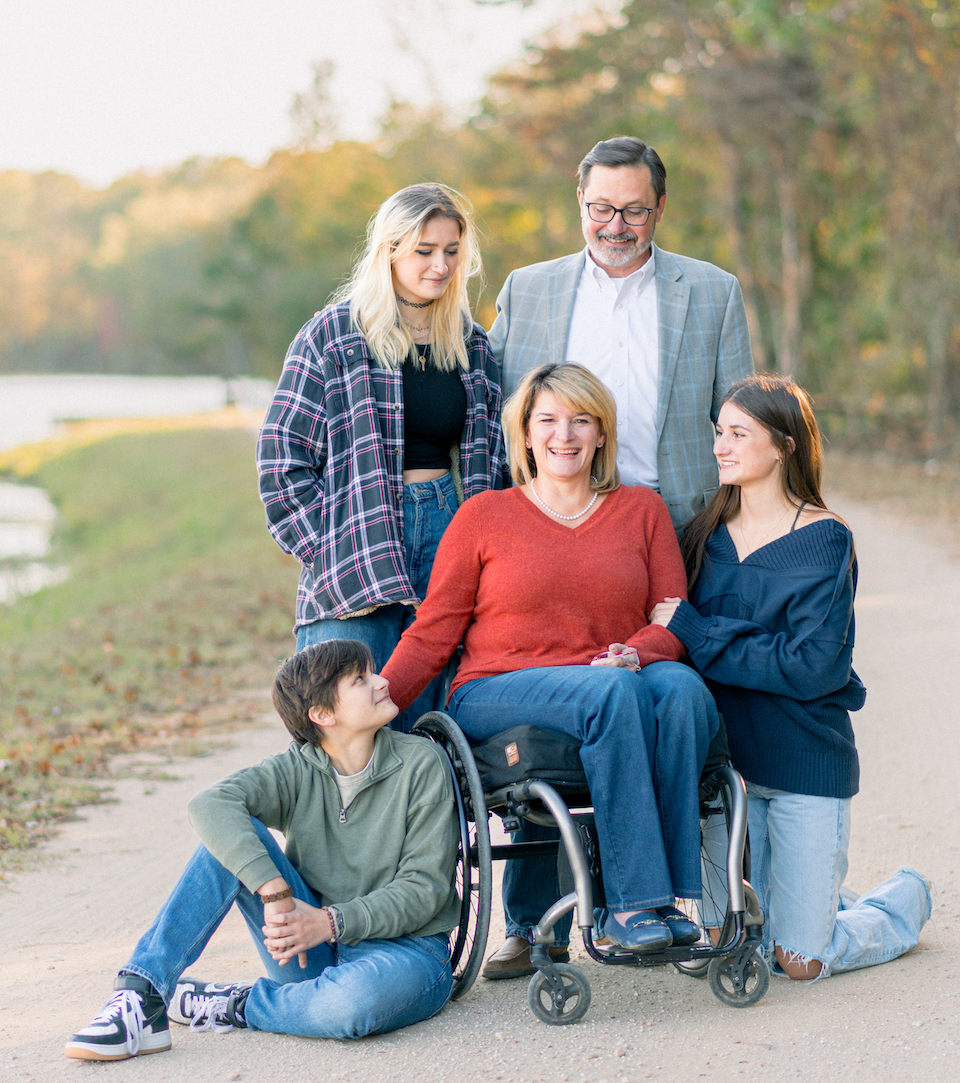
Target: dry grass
{"type": "Point", "coordinates": [170, 627]}
{"type": "Point", "coordinates": [27, 459]}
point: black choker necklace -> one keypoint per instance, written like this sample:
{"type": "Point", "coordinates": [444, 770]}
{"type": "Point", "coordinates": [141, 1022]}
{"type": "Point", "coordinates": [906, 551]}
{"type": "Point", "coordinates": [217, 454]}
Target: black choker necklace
{"type": "Point", "coordinates": [413, 304]}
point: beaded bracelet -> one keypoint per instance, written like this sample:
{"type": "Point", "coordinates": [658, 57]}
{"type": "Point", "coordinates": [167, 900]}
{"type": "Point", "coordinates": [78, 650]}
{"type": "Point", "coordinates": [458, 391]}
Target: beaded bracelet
{"type": "Point", "coordinates": [336, 922]}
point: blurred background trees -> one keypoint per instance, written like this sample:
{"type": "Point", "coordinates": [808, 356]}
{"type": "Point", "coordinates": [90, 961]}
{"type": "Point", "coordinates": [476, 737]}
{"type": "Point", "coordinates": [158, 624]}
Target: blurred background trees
{"type": "Point", "coordinates": [813, 148]}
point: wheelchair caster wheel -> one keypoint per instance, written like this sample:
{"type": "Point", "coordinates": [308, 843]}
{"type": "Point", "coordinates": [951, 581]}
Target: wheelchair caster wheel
{"type": "Point", "coordinates": [740, 980]}
{"type": "Point", "coordinates": [563, 1005]}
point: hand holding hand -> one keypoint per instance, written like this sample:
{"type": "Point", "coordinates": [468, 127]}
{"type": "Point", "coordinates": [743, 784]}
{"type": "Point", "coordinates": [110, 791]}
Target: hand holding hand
{"type": "Point", "coordinates": [662, 612]}
{"type": "Point", "coordinates": [618, 654]}
{"type": "Point", "coordinates": [295, 931]}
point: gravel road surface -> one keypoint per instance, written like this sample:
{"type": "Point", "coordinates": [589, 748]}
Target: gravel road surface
{"type": "Point", "coordinates": [68, 923]}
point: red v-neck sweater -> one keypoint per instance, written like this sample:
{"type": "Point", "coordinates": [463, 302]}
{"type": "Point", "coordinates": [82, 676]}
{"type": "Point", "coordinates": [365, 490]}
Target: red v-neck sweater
{"type": "Point", "coordinates": [521, 590]}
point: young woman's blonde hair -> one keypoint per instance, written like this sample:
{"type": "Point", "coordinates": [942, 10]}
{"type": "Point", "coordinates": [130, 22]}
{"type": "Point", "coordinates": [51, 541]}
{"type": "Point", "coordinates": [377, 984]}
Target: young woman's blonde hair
{"type": "Point", "coordinates": [579, 390]}
{"type": "Point", "coordinates": [394, 231]}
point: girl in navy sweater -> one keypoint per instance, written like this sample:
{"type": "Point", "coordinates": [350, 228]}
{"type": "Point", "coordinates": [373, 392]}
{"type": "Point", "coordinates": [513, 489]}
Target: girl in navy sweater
{"type": "Point", "coordinates": [770, 625]}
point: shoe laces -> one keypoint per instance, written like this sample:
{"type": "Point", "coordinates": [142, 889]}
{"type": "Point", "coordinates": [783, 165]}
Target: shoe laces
{"type": "Point", "coordinates": [128, 1006]}
{"type": "Point", "coordinates": [209, 1012]}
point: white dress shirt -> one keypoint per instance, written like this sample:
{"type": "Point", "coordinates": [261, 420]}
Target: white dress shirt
{"type": "Point", "coordinates": [614, 333]}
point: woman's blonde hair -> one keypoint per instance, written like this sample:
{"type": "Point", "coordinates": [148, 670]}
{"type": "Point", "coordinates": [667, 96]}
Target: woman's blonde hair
{"type": "Point", "coordinates": [394, 231]}
{"type": "Point", "coordinates": [579, 390]}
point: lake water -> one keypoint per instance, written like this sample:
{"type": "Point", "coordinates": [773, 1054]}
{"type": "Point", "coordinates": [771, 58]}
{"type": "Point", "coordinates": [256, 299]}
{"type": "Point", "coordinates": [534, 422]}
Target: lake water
{"type": "Point", "coordinates": [33, 407]}
{"type": "Point", "coordinates": [26, 521]}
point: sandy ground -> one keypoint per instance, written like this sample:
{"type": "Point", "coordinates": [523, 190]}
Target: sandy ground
{"type": "Point", "coordinates": [67, 925]}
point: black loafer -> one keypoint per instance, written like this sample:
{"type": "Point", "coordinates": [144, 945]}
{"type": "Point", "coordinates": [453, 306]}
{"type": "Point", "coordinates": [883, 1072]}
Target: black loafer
{"type": "Point", "coordinates": [641, 933]}
{"type": "Point", "coordinates": [682, 929]}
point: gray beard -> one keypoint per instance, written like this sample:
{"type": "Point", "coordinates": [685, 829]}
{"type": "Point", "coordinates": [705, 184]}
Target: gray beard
{"type": "Point", "coordinates": [617, 257]}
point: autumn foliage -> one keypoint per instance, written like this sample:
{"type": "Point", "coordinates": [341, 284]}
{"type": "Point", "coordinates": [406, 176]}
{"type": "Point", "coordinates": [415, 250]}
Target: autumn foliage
{"type": "Point", "coordinates": [812, 147]}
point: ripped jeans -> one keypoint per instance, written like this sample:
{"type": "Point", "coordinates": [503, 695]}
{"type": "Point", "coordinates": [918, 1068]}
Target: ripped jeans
{"type": "Point", "coordinates": [798, 857]}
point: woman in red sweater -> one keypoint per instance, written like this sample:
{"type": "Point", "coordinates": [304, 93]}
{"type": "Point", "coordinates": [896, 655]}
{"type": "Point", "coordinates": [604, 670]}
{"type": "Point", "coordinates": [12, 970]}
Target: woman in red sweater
{"type": "Point", "coordinates": [549, 586]}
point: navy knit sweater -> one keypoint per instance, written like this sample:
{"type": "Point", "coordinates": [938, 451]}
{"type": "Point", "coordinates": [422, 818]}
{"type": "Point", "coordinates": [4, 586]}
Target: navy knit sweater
{"type": "Point", "coordinates": [773, 636]}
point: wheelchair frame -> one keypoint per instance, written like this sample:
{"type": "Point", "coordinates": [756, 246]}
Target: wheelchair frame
{"type": "Point", "coordinates": [559, 993]}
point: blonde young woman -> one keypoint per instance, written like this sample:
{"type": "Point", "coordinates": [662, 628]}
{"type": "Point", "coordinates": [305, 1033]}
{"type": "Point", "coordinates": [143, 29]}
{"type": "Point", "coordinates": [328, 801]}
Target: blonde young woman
{"type": "Point", "coordinates": [386, 417]}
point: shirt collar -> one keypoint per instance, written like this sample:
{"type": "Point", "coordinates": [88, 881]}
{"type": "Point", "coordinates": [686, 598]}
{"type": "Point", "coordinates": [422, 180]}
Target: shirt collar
{"type": "Point", "coordinates": [637, 279]}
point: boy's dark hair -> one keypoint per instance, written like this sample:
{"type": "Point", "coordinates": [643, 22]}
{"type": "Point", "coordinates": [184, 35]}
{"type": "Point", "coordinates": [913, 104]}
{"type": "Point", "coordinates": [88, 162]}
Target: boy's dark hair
{"type": "Point", "coordinates": [309, 679]}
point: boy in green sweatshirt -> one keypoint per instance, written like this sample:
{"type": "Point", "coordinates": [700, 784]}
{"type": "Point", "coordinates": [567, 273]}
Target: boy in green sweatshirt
{"type": "Point", "coordinates": [350, 921]}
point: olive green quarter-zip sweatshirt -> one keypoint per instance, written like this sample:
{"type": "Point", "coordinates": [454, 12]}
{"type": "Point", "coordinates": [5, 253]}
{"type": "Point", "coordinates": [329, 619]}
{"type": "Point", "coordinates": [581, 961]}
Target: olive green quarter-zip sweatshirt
{"type": "Point", "coordinates": [387, 862]}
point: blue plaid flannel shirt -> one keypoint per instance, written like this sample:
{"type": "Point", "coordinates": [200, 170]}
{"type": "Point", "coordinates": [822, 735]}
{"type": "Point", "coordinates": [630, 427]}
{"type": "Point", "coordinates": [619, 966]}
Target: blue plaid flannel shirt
{"type": "Point", "coordinates": [330, 458]}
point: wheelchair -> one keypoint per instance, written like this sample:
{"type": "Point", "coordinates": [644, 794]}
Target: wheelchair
{"type": "Point", "coordinates": [559, 993]}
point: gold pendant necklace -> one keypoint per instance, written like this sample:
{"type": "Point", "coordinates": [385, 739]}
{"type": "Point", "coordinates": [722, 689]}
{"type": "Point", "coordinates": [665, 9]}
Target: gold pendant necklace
{"type": "Point", "coordinates": [765, 537]}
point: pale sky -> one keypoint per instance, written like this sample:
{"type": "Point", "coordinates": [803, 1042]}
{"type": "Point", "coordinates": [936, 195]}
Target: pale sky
{"type": "Point", "coordinates": [99, 88]}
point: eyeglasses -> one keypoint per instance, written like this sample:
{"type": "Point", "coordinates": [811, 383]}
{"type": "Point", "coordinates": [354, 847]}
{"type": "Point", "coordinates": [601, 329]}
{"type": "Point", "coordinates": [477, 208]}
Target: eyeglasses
{"type": "Point", "coordinates": [632, 216]}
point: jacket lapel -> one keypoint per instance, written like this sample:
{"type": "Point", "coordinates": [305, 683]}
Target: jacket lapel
{"type": "Point", "coordinates": [673, 296]}
{"type": "Point", "coordinates": [562, 294]}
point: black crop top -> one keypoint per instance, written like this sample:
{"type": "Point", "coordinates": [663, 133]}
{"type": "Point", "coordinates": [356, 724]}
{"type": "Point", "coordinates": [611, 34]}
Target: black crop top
{"type": "Point", "coordinates": [434, 413]}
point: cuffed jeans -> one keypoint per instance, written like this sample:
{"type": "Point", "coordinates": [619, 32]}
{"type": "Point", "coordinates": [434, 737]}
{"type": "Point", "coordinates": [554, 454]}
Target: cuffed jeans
{"type": "Point", "coordinates": [428, 508]}
{"type": "Point", "coordinates": [346, 991]}
{"type": "Point", "coordinates": [644, 738]}
{"type": "Point", "coordinates": [798, 854]}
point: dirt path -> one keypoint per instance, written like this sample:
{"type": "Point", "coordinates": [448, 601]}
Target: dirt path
{"type": "Point", "coordinates": [66, 926]}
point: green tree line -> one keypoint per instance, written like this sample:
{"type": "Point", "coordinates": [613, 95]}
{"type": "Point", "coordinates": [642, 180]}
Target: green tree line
{"type": "Point", "coordinates": [812, 147]}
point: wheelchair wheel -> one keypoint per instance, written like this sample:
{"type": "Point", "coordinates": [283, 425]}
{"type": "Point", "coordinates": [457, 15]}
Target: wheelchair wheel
{"type": "Point", "coordinates": [713, 909]}
{"type": "Point", "coordinates": [474, 872]}
{"type": "Point", "coordinates": [562, 1007]}
{"type": "Point", "coordinates": [740, 980]}
{"type": "Point", "coordinates": [714, 902]}
{"type": "Point", "coordinates": [693, 968]}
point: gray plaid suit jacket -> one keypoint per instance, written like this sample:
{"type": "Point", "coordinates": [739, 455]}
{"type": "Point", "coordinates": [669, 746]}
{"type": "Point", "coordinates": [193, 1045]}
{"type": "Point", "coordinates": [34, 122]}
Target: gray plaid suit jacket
{"type": "Point", "coordinates": [704, 348]}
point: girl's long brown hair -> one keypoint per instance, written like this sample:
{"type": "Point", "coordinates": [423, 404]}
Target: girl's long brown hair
{"type": "Point", "coordinates": [784, 410]}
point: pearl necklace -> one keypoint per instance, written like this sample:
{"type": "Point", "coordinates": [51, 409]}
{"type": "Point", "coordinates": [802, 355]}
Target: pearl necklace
{"type": "Point", "coordinates": [569, 518]}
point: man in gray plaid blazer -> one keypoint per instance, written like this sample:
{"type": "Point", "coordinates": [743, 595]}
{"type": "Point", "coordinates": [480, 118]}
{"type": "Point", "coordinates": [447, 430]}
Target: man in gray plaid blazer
{"type": "Point", "coordinates": [666, 333]}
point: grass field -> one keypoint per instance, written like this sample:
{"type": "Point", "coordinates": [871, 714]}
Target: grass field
{"type": "Point", "coordinates": [176, 612]}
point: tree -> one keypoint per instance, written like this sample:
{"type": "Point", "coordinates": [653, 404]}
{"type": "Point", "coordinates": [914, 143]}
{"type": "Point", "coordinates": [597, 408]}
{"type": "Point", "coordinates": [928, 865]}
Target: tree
{"type": "Point", "coordinates": [314, 112]}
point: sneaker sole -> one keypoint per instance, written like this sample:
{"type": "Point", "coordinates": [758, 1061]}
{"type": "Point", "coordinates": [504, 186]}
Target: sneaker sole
{"type": "Point", "coordinates": [78, 1051]}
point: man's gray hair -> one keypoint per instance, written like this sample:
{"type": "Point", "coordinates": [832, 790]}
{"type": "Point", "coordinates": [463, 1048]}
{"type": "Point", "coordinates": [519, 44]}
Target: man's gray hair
{"type": "Point", "coordinates": [625, 150]}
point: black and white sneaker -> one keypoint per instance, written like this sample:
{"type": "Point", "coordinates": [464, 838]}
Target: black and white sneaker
{"type": "Point", "coordinates": [205, 1005]}
{"type": "Point", "coordinates": [133, 1022]}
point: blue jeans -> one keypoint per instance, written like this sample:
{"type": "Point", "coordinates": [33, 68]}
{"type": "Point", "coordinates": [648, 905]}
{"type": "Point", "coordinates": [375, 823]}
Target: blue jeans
{"type": "Point", "coordinates": [644, 740]}
{"type": "Point", "coordinates": [798, 849]}
{"type": "Point", "coordinates": [428, 507]}
{"type": "Point", "coordinates": [344, 992]}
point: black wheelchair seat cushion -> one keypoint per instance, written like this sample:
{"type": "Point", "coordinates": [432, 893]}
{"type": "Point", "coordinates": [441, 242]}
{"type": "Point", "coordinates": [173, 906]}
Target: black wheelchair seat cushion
{"type": "Point", "coordinates": [526, 752]}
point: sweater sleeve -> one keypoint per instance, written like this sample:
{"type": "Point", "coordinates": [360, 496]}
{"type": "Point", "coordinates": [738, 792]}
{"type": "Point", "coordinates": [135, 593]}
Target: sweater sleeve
{"type": "Point", "coordinates": [666, 578]}
{"type": "Point", "coordinates": [810, 660]}
{"type": "Point", "coordinates": [428, 643]}
{"type": "Point", "coordinates": [221, 815]}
